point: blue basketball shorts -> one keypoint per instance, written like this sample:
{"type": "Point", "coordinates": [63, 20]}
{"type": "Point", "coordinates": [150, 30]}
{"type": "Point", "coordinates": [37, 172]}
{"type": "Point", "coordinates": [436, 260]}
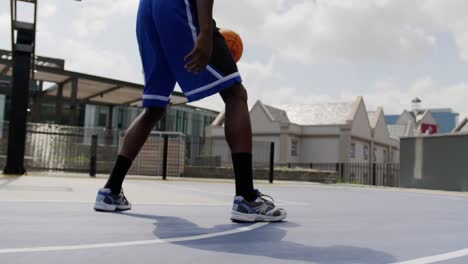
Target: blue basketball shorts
{"type": "Point", "coordinates": [166, 33]}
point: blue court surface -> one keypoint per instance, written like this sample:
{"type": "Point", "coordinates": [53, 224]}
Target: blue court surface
{"type": "Point", "coordinates": [50, 220]}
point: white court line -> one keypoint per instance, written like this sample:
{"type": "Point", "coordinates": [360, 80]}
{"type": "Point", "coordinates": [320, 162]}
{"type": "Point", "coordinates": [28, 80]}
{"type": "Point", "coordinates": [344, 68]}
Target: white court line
{"type": "Point", "coordinates": [138, 203]}
{"type": "Point", "coordinates": [281, 202]}
{"type": "Point", "coordinates": [132, 243]}
{"type": "Point", "coordinates": [437, 258]}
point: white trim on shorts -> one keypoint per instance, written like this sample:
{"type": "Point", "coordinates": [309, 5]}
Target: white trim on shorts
{"type": "Point", "coordinates": [213, 84]}
{"type": "Point", "coordinates": [155, 97]}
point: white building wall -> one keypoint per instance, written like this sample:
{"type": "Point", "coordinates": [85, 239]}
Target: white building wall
{"type": "Point", "coordinates": [219, 147]}
{"type": "Point", "coordinates": [261, 123]}
{"type": "Point", "coordinates": [265, 141]}
{"type": "Point", "coordinates": [428, 119]}
{"type": "Point", "coordinates": [395, 156]}
{"type": "Point", "coordinates": [322, 130]}
{"type": "Point", "coordinates": [320, 149]}
{"type": "Point", "coordinates": [361, 126]}
{"type": "Point", "coordinates": [362, 151]}
{"type": "Point", "coordinates": [380, 153]}
{"type": "Point", "coordinates": [381, 134]}
{"type": "Point", "coordinates": [297, 149]}
{"type": "Point", "coordinates": [405, 118]}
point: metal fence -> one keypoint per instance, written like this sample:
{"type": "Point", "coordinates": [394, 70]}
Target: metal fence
{"type": "Point", "coordinates": [66, 148]}
{"type": "Point", "coordinates": [161, 149]}
{"type": "Point", "coordinates": [216, 153]}
{"type": "Point", "coordinates": [212, 158]}
{"type": "Point", "coordinates": [379, 174]}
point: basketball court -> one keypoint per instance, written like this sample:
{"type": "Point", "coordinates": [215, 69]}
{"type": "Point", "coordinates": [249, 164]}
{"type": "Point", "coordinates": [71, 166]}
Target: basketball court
{"type": "Point", "coordinates": [49, 219]}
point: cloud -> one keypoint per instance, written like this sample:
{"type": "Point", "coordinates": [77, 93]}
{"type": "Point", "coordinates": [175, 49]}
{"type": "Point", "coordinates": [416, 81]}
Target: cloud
{"type": "Point", "coordinates": [47, 10]}
{"type": "Point", "coordinates": [336, 31]}
{"type": "Point", "coordinates": [450, 16]}
{"type": "Point", "coordinates": [5, 31]}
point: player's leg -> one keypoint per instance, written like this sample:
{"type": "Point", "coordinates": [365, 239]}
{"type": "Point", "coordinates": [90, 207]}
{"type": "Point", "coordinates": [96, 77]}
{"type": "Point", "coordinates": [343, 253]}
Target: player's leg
{"type": "Point", "coordinates": [238, 132]}
{"type": "Point", "coordinates": [159, 84]}
{"type": "Point", "coordinates": [178, 34]}
{"type": "Point", "coordinates": [249, 204]}
{"type": "Point", "coordinates": [134, 139]}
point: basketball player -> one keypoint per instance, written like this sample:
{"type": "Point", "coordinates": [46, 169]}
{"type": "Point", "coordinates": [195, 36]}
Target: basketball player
{"type": "Point", "coordinates": [179, 42]}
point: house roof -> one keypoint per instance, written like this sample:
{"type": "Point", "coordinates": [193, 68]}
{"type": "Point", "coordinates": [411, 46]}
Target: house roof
{"type": "Point", "coordinates": [277, 114]}
{"type": "Point", "coordinates": [373, 118]}
{"type": "Point", "coordinates": [316, 113]}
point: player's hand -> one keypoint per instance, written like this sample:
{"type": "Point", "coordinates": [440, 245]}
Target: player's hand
{"type": "Point", "coordinates": [200, 56]}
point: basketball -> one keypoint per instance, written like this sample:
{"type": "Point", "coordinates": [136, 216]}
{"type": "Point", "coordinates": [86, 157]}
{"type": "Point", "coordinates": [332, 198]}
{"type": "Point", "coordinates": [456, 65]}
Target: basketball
{"type": "Point", "coordinates": [234, 43]}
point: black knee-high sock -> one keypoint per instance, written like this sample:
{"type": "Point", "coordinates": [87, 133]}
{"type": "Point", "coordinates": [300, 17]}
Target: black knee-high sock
{"type": "Point", "coordinates": [242, 163]}
{"type": "Point", "coordinates": [121, 167]}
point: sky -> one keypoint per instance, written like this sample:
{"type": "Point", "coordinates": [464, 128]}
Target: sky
{"type": "Point", "coordinates": [295, 51]}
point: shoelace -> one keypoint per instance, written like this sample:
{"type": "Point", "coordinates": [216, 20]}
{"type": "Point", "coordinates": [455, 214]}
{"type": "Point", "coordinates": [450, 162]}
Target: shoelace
{"type": "Point", "coordinates": [122, 195]}
{"type": "Point", "coordinates": [270, 203]}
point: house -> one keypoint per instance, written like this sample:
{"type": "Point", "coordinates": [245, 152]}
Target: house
{"type": "Point", "coordinates": [423, 121]}
{"type": "Point", "coordinates": [318, 132]}
{"type": "Point", "coordinates": [414, 123]}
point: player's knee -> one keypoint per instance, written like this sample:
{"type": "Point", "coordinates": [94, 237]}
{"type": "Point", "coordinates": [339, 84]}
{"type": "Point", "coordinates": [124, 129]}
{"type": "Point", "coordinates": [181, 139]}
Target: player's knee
{"type": "Point", "coordinates": [235, 93]}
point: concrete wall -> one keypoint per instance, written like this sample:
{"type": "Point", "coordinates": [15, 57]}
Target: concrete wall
{"type": "Point", "coordinates": [436, 162]}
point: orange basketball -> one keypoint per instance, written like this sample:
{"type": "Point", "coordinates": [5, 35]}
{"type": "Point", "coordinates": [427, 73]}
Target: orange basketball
{"type": "Point", "coordinates": [234, 43]}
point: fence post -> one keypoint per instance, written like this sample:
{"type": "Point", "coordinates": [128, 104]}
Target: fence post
{"type": "Point", "coordinates": [272, 161]}
{"type": "Point", "coordinates": [342, 173]}
{"type": "Point", "coordinates": [164, 165]}
{"type": "Point", "coordinates": [93, 156]}
{"type": "Point", "coordinates": [374, 174]}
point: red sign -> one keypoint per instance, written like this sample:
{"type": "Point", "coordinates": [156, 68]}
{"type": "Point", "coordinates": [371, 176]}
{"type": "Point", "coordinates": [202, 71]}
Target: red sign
{"type": "Point", "coordinates": [428, 129]}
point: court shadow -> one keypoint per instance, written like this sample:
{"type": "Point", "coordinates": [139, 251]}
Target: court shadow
{"type": "Point", "coordinates": [267, 241]}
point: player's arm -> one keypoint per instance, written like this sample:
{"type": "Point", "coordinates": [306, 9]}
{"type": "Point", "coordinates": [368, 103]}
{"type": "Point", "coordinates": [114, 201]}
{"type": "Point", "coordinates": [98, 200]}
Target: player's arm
{"type": "Point", "coordinates": [200, 56]}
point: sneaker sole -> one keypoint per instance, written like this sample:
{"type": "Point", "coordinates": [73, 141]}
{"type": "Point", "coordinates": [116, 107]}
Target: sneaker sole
{"type": "Point", "coordinates": [241, 217]}
{"type": "Point", "coordinates": [103, 207]}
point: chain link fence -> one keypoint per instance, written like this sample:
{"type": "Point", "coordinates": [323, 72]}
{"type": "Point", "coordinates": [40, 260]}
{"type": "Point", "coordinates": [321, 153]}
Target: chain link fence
{"type": "Point", "coordinates": [66, 148]}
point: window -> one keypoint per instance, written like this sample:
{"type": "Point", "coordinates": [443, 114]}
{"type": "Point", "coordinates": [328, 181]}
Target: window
{"type": "Point", "coordinates": [385, 156]}
{"type": "Point", "coordinates": [352, 150]}
{"type": "Point", "coordinates": [294, 148]}
{"type": "Point", "coordinates": [102, 117]}
{"type": "Point", "coordinates": [366, 152]}
{"type": "Point", "coordinates": [374, 154]}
